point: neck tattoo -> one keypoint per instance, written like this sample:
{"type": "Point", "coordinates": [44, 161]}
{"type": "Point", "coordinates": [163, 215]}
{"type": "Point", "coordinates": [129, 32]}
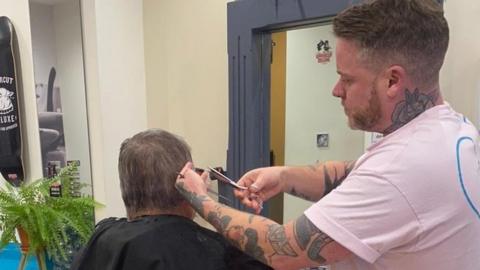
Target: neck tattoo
{"type": "Point", "coordinates": [415, 103]}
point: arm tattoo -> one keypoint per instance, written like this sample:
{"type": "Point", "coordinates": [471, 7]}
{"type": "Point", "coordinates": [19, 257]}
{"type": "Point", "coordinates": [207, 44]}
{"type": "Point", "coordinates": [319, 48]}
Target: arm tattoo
{"type": "Point", "coordinates": [329, 183]}
{"type": "Point", "coordinates": [252, 248]}
{"type": "Point", "coordinates": [218, 221]}
{"type": "Point", "coordinates": [415, 103]}
{"type": "Point", "coordinates": [195, 200]}
{"type": "Point", "coordinates": [278, 240]}
{"type": "Point", "coordinates": [304, 230]}
{"type": "Point", "coordinates": [236, 234]}
{"type": "Point", "coordinates": [295, 193]}
{"type": "Point", "coordinates": [348, 167]}
{"type": "Point", "coordinates": [298, 194]}
{"type": "Point", "coordinates": [316, 247]}
{"type": "Point", "coordinates": [250, 218]}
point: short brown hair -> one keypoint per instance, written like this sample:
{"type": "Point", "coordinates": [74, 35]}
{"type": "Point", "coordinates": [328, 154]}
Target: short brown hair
{"type": "Point", "coordinates": [148, 165]}
{"type": "Point", "coordinates": [410, 33]}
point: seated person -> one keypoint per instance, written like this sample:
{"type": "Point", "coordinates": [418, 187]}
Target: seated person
{"type": "Point", "coordinates": [159, 232]}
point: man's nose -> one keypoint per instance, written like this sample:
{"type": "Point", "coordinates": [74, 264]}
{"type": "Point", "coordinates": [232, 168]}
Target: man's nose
{"type": "Point", "coordinates": [337, 90]}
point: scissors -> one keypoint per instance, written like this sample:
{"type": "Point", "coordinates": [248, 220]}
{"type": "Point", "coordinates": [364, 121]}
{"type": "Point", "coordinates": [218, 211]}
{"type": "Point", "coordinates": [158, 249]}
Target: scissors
{"type": "Point", "coordinates": [225, 179]}
{"type": "Point", "coordinates": [199, 172]}
{"type": "Point", "coordinates": [221, 177]}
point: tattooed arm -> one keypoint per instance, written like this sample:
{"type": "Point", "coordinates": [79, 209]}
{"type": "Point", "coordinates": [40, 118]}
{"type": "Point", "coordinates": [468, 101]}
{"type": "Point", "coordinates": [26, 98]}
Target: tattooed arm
{"type": "Point", "coordinates": [295, 245]}
{"type": "Point", "coordinates": [310, 183]}
{"type": "Point", "coordinates": [313, 182]}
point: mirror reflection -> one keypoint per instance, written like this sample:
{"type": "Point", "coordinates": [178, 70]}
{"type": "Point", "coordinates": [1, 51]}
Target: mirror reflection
{"type": "Point", "coordinates": [60, 86]}
{"type": "Point", "coordinates": [315, 127]}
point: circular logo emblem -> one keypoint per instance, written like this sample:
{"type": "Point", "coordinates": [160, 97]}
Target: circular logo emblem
{"type": "Point", "coordinates": [6, 105]}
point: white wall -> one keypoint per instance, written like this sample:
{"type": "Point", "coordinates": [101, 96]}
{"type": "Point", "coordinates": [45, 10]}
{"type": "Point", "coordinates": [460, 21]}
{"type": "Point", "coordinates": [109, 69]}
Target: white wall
{"type": "Point", "coordinates": [116, 100]}
{"type": "Point", "coordinates": [195, 92]}
{"type": "Point", "coordinates": [460, 75]}
{"type": "Point", "coordinates": [311, 108]}
{"type": "Point", "coordinates": [187, 74]}
{"type": "Point", "coordinates": [18, 12]}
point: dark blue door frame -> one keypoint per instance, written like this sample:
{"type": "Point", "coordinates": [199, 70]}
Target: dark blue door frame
{"type": "Point", "coordinates": [250, 23]}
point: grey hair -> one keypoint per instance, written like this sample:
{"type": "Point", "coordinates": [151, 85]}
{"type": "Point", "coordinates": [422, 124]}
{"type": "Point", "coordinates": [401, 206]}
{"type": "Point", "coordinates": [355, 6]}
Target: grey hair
{"type": "Point", "coordinates": [148, 164]}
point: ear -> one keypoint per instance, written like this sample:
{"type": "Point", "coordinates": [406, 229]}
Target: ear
{"type": "Point", "coordinates": [396, 77]}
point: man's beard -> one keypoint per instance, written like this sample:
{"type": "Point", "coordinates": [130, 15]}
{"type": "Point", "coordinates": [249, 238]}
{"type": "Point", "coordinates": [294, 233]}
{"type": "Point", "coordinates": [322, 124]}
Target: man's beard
{"type": "Point", "coordinates": [366, 118]}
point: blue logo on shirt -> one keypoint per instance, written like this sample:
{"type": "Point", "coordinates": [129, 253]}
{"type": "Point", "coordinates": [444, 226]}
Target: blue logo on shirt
{"type": "Point", "coordinates": [460, 175]}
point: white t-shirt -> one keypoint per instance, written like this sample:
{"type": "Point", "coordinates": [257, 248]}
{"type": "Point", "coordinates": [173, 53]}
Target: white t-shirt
{"type": "Point", "coordinates": [413, 199]}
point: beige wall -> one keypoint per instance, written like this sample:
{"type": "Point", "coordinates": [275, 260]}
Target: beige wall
{"type": "Point", "coordinates": [115, 79]}
{"type": "Point", "coordinates": [18, 12]}
{"type": "Point", "coordinates": [460, 76]}
{"type": "Point", "coordinates": [186, 74]}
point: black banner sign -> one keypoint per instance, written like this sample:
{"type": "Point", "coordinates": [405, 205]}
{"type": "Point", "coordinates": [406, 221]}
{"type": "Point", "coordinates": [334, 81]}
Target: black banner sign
{"type": "Point", "coordinates": [10, 135]}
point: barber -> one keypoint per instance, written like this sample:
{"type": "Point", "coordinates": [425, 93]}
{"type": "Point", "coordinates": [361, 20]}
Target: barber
{"type": "Point", "coordinates": [412, 200]}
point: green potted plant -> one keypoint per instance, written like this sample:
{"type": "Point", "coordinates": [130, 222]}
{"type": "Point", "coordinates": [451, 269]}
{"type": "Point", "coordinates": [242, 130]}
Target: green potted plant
{"type": "Point", "coordinates": [45, 223]}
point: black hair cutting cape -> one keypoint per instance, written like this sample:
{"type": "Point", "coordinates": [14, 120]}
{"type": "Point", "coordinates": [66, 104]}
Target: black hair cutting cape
{"type": "Point", "coordinates": [159, 242]}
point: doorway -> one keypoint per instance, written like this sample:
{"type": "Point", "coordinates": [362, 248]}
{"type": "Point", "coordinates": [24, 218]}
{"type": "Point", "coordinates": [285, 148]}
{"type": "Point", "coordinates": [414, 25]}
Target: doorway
{"type": "Point", "coordinates": [307, 124]}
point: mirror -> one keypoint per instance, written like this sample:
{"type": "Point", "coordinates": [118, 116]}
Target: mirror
{"type": "Point", "coordinates": [251, 103]}
{"type": "Point", "coordinates": [249, 66]}
{"type": "Point", "coordinates": [60, 86]}
{"type": "Point", "coordinates": [315, 126]}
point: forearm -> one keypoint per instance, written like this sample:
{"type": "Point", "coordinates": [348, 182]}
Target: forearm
{"type": "Point", "coordinates": [257, 236]}
{"type": "Point", "coordinates": [294, 245]}
{"type": "Point", "coordinates": [315, 181]}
